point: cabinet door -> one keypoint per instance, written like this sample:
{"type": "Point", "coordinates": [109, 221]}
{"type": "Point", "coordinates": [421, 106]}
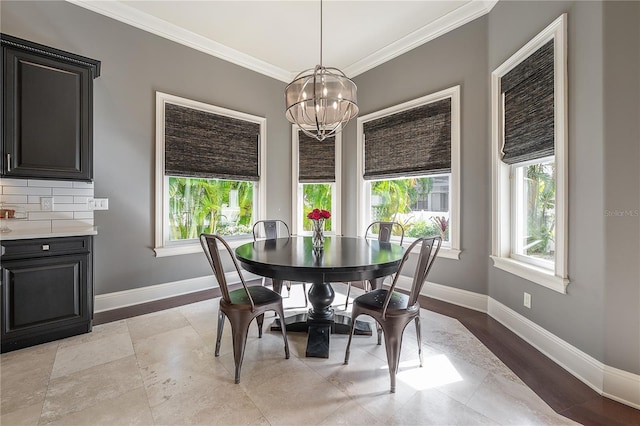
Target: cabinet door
{"type": "Point", "coordinates": [47, 116]}
{"type": "Point", "coordinates": [41, 296]}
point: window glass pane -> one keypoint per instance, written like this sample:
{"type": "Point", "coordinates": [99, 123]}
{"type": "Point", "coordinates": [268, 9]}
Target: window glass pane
{"type": "Point", "coordinates": [316, 196]}
{"type": "Point", "coordinates": [212, 206]}
{"type": "Point", "coordinates": [537, 210]}
{"type": "Point", "coordinates": [420, 204]}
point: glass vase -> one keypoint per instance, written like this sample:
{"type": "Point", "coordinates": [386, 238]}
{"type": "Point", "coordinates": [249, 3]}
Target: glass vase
{"type": "Point", "coordinates": [317, 235]}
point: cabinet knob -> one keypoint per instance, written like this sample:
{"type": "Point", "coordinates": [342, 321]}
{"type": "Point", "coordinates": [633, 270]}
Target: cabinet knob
{"type": "Point", "coordinates": [45, 247]}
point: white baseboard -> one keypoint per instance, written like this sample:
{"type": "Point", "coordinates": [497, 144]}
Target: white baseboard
{"type": "Point", "coordinates": [611, 382]}
{"type": "Point", "coordinates": [136, 296]}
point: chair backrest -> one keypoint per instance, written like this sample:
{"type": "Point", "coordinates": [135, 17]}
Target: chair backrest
{"type": "Point", "coordinates": [429, 248]}
{"type": "Point", "coordinates": [385, 230]}
{"type": "Point", "coordinates": [209, 244]}
{"type": "Point", "coordinates": [270, 229]}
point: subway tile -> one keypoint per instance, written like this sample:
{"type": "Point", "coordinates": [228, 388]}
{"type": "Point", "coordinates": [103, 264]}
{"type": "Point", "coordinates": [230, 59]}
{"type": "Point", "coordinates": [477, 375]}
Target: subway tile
{"type": "Point", "coordinates": [22, 190]}
{"type": "Point", "coordinates": [12, 182]}
{"type": "Point", "coordinates": [83, 215]}
{"type": "Point", "coordinates": [73, 191]}
{"type": "Point", "coordinates": [13, 199]}
{"type": "Point", "coordinates": [63, 199]}
{"type": "Point", "coordinates": [83, 185]}
{"type": "Point", "coordinates": [60, 207]}
{"type": "Point", "coordinates": [50, 183]}
{"type": "Point", "coordinates": [81, 200]}
{"type": "Point", "coordinates": [34, 199]}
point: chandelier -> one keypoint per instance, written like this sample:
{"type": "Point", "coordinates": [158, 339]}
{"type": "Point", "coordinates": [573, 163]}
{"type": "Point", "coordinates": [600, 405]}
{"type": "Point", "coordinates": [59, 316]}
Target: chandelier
{"type": "Point", "coordinates": [321, 100]}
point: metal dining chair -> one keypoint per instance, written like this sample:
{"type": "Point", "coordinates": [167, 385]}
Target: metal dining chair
{"type": "Point", "coordinates": [392, 310]}
{"type": "Point", "coordinates": [270, 230]}
{"type": "Point", "coordinates": [385, 231]}
{"type": "Point", "coordinates": [240, 306]}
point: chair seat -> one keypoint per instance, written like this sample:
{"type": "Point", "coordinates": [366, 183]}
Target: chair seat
{"type": "Point", "coordinates": [260, 295]}
{"type": "Point", "coordinates": [375, 299]}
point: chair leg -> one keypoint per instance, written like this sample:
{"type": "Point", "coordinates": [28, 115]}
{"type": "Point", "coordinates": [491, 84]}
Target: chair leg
{"type": "Point", "coordinates": [379, 331]}
{"type": "Point", "coordinates": [304, 290]}
{"type": "Point", "coordinates": [351, 329]}
{"type": "Point", "coordinates": [260, 321]}
{"type": "Point", "coordinates": [220, 327]}
{"type": "Point", "coordinates": [393, 345]}
{"type": "Point", "coordinates": [417, 320]}
{"type": "Point", "coordinates": [280, 313]}
{"type": "Point", "coordinates": [239, 333]}
{"type": "Point", "coordinates": [346, 303]}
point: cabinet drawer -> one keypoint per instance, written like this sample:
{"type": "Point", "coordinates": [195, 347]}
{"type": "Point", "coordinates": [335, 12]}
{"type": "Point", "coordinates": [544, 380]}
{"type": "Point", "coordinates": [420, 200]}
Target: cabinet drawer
{"type": "Point", "coordinates": [43, 247]}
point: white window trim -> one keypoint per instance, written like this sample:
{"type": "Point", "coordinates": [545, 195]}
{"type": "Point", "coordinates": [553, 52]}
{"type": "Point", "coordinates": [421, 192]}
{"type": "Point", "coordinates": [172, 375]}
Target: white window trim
{"type": "Point", "coordinates": [556, 279]}
{"type": "Point", "coordinates": [296, 195]}
{"type": "Point", "coordinates": [453, 250]}
{"type": "Point", "coordinates": [162, 247]}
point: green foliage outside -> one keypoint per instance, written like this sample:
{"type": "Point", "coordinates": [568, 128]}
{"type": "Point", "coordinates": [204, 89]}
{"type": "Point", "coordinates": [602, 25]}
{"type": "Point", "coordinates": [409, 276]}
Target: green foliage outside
{"type": "Point", "coordinates": [541, 202]}
{"type": "Point", "coordinates": [315, 196]}
{"type": "Point", "coordinates": [196, 206]}
{"type": "Point", "coordinates": [396, 198]}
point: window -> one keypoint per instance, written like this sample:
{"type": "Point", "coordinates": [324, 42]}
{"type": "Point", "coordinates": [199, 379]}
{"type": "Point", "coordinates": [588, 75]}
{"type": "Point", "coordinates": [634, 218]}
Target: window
{"type": "Point", "coordinates": [408, 163]}
{"type": "Point", "coordinates": [208, 172]}
{"type": "Point", "coordinates": [317, 168]}
{"type": "Point", "coordinates": [529, 161]}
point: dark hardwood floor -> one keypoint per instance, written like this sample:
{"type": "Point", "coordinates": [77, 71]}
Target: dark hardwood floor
{"type": "Point", "coordinates": [558, 388]}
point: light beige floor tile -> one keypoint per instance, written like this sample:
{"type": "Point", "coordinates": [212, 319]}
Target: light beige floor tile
{"type": "Point", "coordinates": [24, 376]}
{"type": "Point", "coordinates": [432, 407]}
{"type": "Point", "coordinates": [511, 403]}
{"type": "Point", "coordinates": [27, 416]}
{"type": "Point", "coordinates": [100, 351]}
{"type": "Point", "coordinates": [78, 391]}
{"type": "Point", "coordinates": [148, 325]}
{"type": "Point", "coordinates": [98, 332]}
{"type": "Point", "coordinates": [351, 413]}
{"type": "Point", "coordinates": [170, 346]}
{"type": "Point", "coordinates": [131, 408]}
{"type": "Point", "coordinates": [308, 398]}
{"type": "Point", "coordinates": [165, 381]}
{"type": "Point", "coordinates": [207, 404]}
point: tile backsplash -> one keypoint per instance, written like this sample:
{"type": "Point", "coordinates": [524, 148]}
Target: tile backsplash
{"type": "Point", "coordinates": [70, 204]}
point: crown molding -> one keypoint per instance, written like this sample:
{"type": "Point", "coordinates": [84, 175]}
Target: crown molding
{"type": "Point", "coordinates": [440, 26]}
{"type": "Point", "coordinates": [131, 16]}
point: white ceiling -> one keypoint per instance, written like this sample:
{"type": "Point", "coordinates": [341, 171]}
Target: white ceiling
{"type": "Point", "coordinates": [282, 38]}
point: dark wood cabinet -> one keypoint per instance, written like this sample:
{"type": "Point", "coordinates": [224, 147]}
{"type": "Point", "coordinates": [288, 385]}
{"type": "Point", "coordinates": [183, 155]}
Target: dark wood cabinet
{"type": "Point", "coordinates": [46, 290]}
{"type": "Point", "coordinates": [47, 112]}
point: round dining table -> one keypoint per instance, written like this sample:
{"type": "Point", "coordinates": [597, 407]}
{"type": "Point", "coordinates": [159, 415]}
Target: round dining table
{"type": "Point", "coordinates": [341, 259]}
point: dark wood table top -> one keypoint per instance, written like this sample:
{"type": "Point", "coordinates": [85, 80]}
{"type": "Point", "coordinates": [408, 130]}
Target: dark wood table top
{"type": "Point", "coordinates": [343, 259]}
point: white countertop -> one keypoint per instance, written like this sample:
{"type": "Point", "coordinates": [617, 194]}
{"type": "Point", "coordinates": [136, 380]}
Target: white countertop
{"type": "Point", "coordinates": [44, 233]}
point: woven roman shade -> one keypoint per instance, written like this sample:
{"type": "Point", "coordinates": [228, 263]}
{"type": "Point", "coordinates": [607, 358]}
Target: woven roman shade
{"type": "Point", "coordinates": [529, 108]}
{"type": "Point", "coordinates": [414, 142]}
{"type": "Point", "coordinates": [206, 145]}
{"type": "Point", "coordinates": [316, 159]}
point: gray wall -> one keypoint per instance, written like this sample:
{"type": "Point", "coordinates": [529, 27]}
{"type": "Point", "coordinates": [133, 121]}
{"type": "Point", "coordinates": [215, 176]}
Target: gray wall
{"type": "Point", "coordinates": [456, 58]}
{"type": "Point", "coordinates": [600, 313]}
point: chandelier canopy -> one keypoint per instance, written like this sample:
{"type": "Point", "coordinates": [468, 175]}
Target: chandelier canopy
{"type": "Point", "coordinates": [321, 100]}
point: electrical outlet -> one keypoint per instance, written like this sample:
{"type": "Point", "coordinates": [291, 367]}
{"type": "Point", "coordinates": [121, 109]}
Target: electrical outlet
{"type": "Point", "coordinates": [98, 204]}
{"type": "Point", "coordinates": [527, 300]}
{"type": "Point", "coordinates": [46, 204]}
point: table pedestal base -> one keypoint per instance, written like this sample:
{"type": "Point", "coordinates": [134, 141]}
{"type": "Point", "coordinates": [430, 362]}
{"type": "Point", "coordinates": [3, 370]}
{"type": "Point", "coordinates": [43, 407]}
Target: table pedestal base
{"type": "Point", "coordinates": [319, 330]}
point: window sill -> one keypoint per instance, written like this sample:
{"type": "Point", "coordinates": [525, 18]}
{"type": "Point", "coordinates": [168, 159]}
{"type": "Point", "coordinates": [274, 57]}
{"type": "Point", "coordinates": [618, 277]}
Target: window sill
{"type": "Point", "coordinates": [445, 252]}
{"type": "Point", "coordinates": [544, 277]}
{"type": "Point", "coordinates": [195, 247]}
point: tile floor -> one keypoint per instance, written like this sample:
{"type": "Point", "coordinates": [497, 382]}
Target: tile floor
{"type": "Point", "coordinates": [159, 369]}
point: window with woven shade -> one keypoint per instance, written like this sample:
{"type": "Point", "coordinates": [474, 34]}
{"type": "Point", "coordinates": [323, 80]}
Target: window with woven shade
{"type": "Point", "coordinates": [208, 168]}
{"type": "Point", "coordinates": [316, 180]}
{"type": "Point", "coordinates": [529, 160]}
{"type": "Point", "coordinates": [409, 167]}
